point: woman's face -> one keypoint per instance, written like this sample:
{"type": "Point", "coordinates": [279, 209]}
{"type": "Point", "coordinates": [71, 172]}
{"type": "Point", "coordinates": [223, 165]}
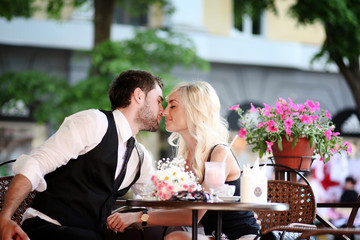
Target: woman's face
{"type": "Point", "coordinates": [174, 114]}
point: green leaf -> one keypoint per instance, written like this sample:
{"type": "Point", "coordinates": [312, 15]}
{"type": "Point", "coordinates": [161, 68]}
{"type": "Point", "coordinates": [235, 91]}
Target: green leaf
{"type": "Point", "coordinates": [312, 143]}
{"type": "Point", "coordinates": [261, 153]}
{"type": "Point", "coordinates": [287, 137]}
{"type": "Point", "coordinates": [294, 143]}
{"type": "Point", "coordinates": [279, 143]}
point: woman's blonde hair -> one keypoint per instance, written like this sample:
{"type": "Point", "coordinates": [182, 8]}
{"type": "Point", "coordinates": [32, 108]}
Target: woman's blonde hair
{"type": "Point", "coordinates": [205, 124]}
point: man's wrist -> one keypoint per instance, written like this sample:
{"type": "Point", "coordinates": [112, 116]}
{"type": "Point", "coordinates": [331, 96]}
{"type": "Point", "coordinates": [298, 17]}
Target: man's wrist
{"type": "Point", "coordinates": [144, 217]}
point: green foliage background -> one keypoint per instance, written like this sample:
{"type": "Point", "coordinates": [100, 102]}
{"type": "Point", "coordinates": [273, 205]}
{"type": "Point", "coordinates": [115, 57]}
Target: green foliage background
{"type": "Point", "coordinates": [51, 98]}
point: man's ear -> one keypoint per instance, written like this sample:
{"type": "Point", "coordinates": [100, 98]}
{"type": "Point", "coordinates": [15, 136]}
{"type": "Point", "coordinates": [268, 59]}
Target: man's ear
{"type": "Point", "coordinates": [138, 95]}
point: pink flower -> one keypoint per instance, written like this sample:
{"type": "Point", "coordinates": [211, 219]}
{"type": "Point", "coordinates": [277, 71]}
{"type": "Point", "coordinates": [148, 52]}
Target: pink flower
{"type": "Point", "coordinates": [288, 122]}
{"type": "Point", "coordinates": [328, 134]}
{"type": "Point", "coordinates": [287, 112]}
{"type": "Point", "coordinates": [349, 148]}
{"type": "Point", "coordinates": [159, 187]}
{"type": "Point", "coordinates": [253, 109]}
{"type": "Point", "coordinates": [260, 125]}
{"type": "Point", "coordinates": [310, 105]}
{"type": "Point", "coordinates": [301, 108]}
{"type": "Point", "coordinates": [153, 178]}
{"type": "Point", "coordinates": [313, 118]}
{"type": "Point", "coordinates": [272, 129]}
{"type": "Point", "coordinates": [267, 110]}
{"type": "Point", "coordinates": [169, 188]}
{"type": "Point", "coordinates": [282, 101]}
{"type": "Point", "coordinates": [305, 119]}
{"type": "Point", "coordinates": [288, 131]}
{"type": "Point", "coordinates": [235, 107]}
{"type": "Point", "coordinates": [271, 126]}
{"type": "Point", "coordinates": [292, 105]}
{"type": "Point", "coordinates": [279, 108]}
{"type": "Point", "coordinates": [335, 149]}
{"type": "Point", "coordinates": [335, 134]}
{"type": "Point", "coordinates": [327, 114]}
{"type": "Point", "coordinates": [242, 133]}
{"type": "Point", "coordinates": [163, 196]}
{"type": "Point", "coordinates": [269, 145]}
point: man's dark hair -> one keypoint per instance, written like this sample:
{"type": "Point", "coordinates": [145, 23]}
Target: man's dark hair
{"type": "Point", "coordinates": [350, 179]}
{"type": "Point", "coordinates": [124, 85]}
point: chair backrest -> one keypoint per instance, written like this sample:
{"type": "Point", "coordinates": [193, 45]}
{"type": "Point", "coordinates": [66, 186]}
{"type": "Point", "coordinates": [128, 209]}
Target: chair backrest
{"type": "Point", "coordinates": [301, 200]}
{"type": "Point", "coordinates": [4, 185]}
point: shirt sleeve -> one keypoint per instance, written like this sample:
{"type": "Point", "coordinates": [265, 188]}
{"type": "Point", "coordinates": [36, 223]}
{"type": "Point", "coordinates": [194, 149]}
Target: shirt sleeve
{"type": "Point", "coordinates": [147, 170]}
{"type": "Point", "coordinates": [78, 134]}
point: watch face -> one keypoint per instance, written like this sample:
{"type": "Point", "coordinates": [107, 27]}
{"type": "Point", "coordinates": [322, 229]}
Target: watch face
{"type": "Point", "coordinates": [144, 217]}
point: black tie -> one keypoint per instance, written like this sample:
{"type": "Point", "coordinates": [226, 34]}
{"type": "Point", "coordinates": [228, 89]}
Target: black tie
{"type": "Point", "coordinates": [129, 148]}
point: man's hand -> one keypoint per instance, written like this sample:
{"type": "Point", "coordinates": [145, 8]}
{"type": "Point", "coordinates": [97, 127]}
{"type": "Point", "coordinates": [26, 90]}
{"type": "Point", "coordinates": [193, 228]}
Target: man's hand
{"type": "Point", "coordinates": [19, 188]}
{"type": "Point", "coordinates": [119, 221]}
{"type": "Point", "coordinates": [10, 230]}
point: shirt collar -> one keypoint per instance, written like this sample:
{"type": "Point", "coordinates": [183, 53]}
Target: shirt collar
{"type": "Point", "coordinates": [122, 125]}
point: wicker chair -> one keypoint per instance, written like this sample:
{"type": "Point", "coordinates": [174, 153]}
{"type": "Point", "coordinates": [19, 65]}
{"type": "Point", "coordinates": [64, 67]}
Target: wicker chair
{"type": "Point", "coordinates": [4, 184]}
{"type": "Point", "coordinates": [344, 232]}
{"type": "Point", "coordinates": [301, 215]}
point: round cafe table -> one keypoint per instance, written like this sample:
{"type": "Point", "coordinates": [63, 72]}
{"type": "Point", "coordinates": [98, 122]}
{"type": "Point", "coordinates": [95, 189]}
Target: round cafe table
{"type": "Point", "coordinates": [215, 206]}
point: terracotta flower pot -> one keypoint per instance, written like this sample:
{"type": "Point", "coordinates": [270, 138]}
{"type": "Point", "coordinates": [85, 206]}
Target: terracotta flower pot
{"type": "Point", "coordinates": [299, 158]}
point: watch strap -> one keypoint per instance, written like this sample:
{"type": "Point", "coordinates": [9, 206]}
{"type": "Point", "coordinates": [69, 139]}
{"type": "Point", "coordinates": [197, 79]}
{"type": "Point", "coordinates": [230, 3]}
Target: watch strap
{"type": "Point", "coordinates": [144, 222]}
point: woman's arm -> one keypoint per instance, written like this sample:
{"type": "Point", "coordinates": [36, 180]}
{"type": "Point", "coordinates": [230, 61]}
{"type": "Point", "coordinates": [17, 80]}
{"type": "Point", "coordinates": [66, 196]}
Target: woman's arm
{"type": "Point", "coordinates": [232, 167]}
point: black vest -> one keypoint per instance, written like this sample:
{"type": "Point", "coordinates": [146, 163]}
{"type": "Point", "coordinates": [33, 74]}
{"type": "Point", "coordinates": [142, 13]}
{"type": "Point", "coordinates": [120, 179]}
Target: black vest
{"type": "Point", "coordinates": [81, 193]}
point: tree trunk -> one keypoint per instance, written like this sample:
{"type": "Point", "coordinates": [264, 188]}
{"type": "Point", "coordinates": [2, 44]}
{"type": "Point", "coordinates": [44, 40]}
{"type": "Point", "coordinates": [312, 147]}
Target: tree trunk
{"type": "Point", "coordinates": [352, 78]}
{"type": "Point", "coordinates": [104, 11]}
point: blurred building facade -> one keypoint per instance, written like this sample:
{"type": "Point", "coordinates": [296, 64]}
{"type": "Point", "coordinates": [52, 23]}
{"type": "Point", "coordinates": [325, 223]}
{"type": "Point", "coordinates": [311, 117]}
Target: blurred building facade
{"type": "Point", "coordinates": [256, 61]}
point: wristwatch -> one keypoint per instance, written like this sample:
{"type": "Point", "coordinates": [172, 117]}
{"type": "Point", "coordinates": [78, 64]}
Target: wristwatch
{"type": "Point", "coordinates": [144, 217]}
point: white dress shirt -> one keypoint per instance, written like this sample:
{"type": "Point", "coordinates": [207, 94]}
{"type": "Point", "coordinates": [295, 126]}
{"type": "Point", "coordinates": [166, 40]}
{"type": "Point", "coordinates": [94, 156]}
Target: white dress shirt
{"type": "Point", "coordinates": [78, 134]}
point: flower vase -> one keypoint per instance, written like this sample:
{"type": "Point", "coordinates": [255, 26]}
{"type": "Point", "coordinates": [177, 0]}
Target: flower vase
{"type": "Point", "coordinates": [298, 158]}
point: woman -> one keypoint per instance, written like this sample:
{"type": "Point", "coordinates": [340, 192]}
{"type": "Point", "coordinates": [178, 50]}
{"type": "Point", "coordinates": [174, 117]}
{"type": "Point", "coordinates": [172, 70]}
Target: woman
{"type": "Point", "coordinates": [200, 135]}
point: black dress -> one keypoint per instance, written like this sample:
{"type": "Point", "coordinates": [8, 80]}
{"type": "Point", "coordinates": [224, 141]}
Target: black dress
{"type": "Point", "coordinates": [234, 223]}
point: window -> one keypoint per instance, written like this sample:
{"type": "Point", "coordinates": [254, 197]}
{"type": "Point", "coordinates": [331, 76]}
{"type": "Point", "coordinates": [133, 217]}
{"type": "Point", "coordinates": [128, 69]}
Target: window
{"type": "Point", "coordinates": [122, 16]}
{"type": "Point", "coordinates": [245, 24]}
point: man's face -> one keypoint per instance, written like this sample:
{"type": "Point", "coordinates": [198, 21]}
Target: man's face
{"type": "Point", "coordinates": [150, 113]}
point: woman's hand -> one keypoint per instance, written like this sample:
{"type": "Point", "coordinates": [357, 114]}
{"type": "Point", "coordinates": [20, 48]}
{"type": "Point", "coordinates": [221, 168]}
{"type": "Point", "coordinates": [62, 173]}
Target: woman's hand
{"type": "Point", "coordinates": [119, 221]}
{"type": "Point", "coordinates": [257, 220]}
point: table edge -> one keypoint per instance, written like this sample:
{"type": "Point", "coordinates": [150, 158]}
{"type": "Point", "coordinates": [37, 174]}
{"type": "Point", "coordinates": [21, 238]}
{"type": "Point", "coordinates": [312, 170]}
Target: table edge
{"type": "Point", "coordinates": [226, 206]}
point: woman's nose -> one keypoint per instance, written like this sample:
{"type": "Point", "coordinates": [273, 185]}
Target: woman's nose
{"type": "Point", "coordinates": [165, 112]}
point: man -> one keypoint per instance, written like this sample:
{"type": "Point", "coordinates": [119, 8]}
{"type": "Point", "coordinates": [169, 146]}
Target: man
{"type": "Point", "coordinates": [77, 171]}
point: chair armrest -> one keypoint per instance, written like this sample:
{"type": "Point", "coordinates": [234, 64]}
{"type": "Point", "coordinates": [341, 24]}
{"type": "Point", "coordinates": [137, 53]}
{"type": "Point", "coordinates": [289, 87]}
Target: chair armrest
{"type": "Point", "coordinates": [354, 205]}
{"type": "Point", "coordinates": [304, 225]}
{"type": "Point", "coordinates": [325, 222]}
{"type": "Point", "coordinates": [339, 232]}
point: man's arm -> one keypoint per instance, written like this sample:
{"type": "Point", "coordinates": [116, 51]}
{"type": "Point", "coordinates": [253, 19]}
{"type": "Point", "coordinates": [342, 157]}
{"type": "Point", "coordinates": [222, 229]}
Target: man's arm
{"type": "Point", "coordinates": [19, 188]}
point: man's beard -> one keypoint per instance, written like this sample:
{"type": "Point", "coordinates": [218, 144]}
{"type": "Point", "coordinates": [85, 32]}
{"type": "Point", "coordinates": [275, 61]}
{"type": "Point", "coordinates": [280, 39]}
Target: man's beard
{"type": "Point", "coordinates": [148, 121]}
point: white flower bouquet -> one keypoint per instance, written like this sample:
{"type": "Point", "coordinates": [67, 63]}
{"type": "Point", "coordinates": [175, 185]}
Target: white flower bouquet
{"type": "Point", "coordinates": [171, 177]}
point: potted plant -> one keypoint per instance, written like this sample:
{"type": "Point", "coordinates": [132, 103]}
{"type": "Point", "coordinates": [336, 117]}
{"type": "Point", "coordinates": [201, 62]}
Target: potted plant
{"type": "Point", "coordinates": [270, 128]}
